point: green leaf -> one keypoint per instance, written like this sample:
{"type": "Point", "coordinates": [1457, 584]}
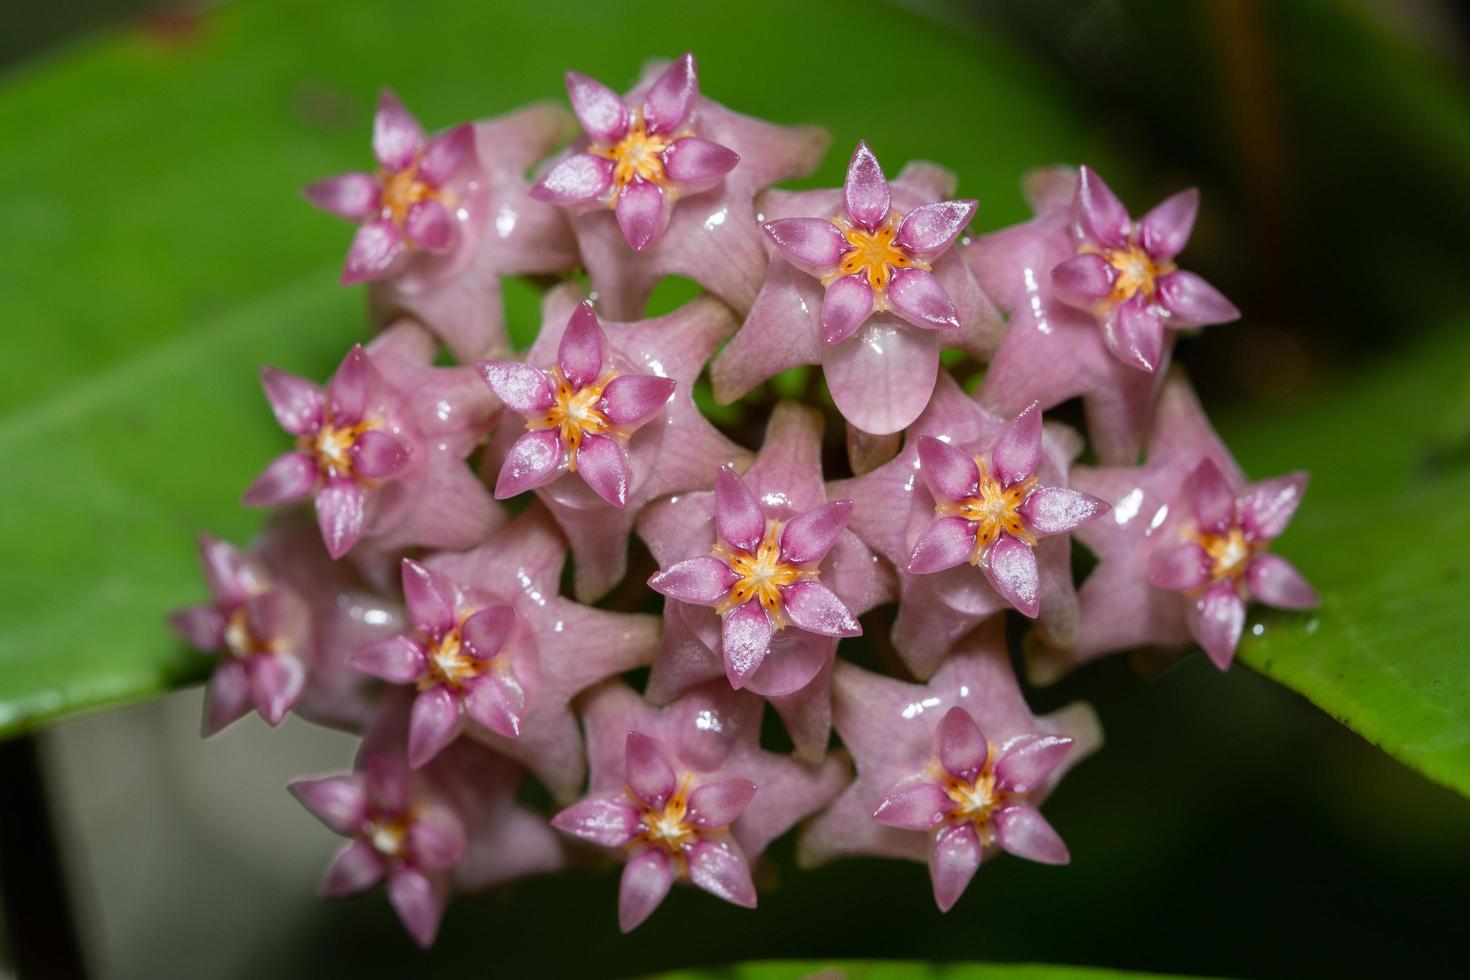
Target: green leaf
{"type": "Point", "coordinates": [897, 970]}
{"type": "Point", "coordinates": [1384, 534]}
{"type": "Point", "coordinates": [157, 251]}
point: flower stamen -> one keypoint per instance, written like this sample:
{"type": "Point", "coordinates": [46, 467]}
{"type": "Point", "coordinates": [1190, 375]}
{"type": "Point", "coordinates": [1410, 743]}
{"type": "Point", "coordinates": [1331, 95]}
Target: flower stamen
{"type": "Point", "coordinates": [761, 576]}
{"type": "Point", "coordinates": [875, 254]}
{"type": "Point", "coordinates": [1229, 553]}
{"type": "Point", "coordinates": [975, 802]}
{"type": "Point", "coordinates": [575, 413]}
{"type": "Point", "coordinates": [637, 156]}
{"type": "Point", "coordinates": [994, 509]}
{"type": "Point", "coordinates": [1136, 272]}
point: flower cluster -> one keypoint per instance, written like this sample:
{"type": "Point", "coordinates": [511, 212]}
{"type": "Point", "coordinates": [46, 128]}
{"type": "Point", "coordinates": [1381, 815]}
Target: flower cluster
{"type": "Point", "coordinates": [419, 601]}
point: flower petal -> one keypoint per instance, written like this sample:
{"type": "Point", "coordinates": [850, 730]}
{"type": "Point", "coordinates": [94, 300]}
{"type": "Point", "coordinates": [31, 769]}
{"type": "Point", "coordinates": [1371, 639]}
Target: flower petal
{"type": "Point", "coordinates": [704, 581]}
{"type": "Point", "coordinates": [1210, 497]}
{"type": "Point", "coordinates": [1164, 231]}
{"type": "Point", "coordinates": [948, 542]}
{"type": "Point", "coordinates": [599, 109]}
{"type": "Point", "coordinates": [418, 902]}
{"type": "Point", "coordinates": [610, 822]}
{"type": "Point", "coordinates": [433, 723]}
{"type": "Point", "coordinates": [647, 878]}
{"type": "Point", "coordinates": [719, 868]}
{"type": "Point", "coordinates": [376, 455]}
{"type": "Point", "coordinates": [1216, 619]}
{"type": "Point", "coordinates": [811, 244]}
{"type": "Point", "coordinates": [933, 227]}
{"type": "Point", "coordinates": [579, 179]}
{"type": "Point", "coordinates": [356, 868]}
{"type": "Point", "coordinates": [1134, 333]}
{"type": "Point", "coordinates": [341, 514]}
{"type": "Point", "coordinates": [954, 857]}
{"type": "Point", "coordinates": [1098, 212]}
{"type": "Point", "coordinates": [397, 135]}
{"type": "Point", "coordinates": [429, 226]}
{"type": "Point", "coordinates": [1056, 510]}
{"type": "Point", "coordinates": [808, 538]}
{"type": "Point", "coordinates": [484, 634]}
{"type": "Point", "coordinates": [372, 253]}
{"type": "Point", "coordinates": [230, 574]}
{"type": "Point", "coordinates": [739, 519]}
{"type": "Point", "coordinates": [1276, 582]}
{"type": "Point", "coordinates": [1018, 449]}
{"type": "Point", "coordinates": [446, 153]}
{"type": "Point", "coordinates": [846, 306]}
{"type": "Point", "coordinates": [397, 660]}
{"type": "Point", "coordinates": [202, 627]}
{"type": "Point", "coordinates": [275, 684]}
{"type": "Point", "coordinates": [917, 297]}
{"type": "Point", "coordinates": [535, 458]}
{"type": "Point", "coordinates": [642, 211]}
{"type": "Point", "coordinates": [960, 745]}
{"type": "Point", "coordinates": [1083, 280]}
{"type": "Point", "coordinates": [603, 465]}
{"type": "Point", "coordinates": [865, 192]}
{"type": "Point", "coordinates": [1192, 302]}
{"type": "Point", "coordinates": [815, 608]}
{"type": "Point", "coordinates": [385, 779]}
{"type": "Point", "coordinates": [670, 100]}
{"type": "Point", "coordinates": [717, 804]}
{"type": "Point", "coordinates": [632, 399]}
{"type": "Point", "coordinates": [649, 775]}
{"type": "Point", "coordinates": [496, 704]}
{"type": "Point", "coordinates": [523, 389]}
{"type": "Point", "coordinates": [745, 637]}
{"type": "Point", "coordinates": [1028, 760]}
{"type": "Point", "coordinates": [227, 697]}
{"type": "Point", "coordinates": [352, 196]}
{"type": "Point", "coordinates": [1024, 832]}
{"type": "Point", "coordinates": [583, 348]}
{"type": "Point", "coordinates": [1182, 568]}
{"type": "Point", "coordinates": [916, 803]}
{"type": "Point", "coordinates": [696, 164]}
{"type": "Point", "coordinates": [948, 472]}
{"type": "Point", "coordinates": [881, 378]}
{"type": "Point", "coordinates": [351, 387]}
{"type": "Point", "coordinates": [436, 839]}
{"type": "Point", "coordinates": [1010, 565]}
{"type": "Point", "coordinates": [430, 598]}
{"type": "Point", "coordinates": [289, 478]}
{"type": "Point", "coordinates": [1267, 507]}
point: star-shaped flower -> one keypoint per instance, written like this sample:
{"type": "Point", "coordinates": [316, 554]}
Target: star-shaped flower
{"type": "Point", "coordinates": [381, 448]}
{"type": "Point", "coordinates": [662, 183]}
{"type": "Point", "coordinates": [605, 383]}
{"type": "Point", "coordinates": [771, 555]}
{"type": "Point", "coordinates": [895, 508]}
{"type": "Point", "coordinates": [1185, 520]}
{"type": "Point", "coordinates": [863, 281]}
{"type": "Point", "coordinates": [444, 217]}
{"type": "Point", "coordinates": [686, 792]}
{"type": "Point", "coordinates": [929, 786]}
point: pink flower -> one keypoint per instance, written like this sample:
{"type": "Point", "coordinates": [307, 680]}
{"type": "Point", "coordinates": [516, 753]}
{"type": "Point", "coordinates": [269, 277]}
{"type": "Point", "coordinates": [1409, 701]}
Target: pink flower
{"type": "Point", "coordinates": [863, 281]}
{"type": "Point", "coordinates": [686, 792]}
{"type": "Point", "coordinates": [948, 772]}
{"type": "Point", "coordinates": [655, 190]}
{"type": "Point", "coordinates": [259, 630]}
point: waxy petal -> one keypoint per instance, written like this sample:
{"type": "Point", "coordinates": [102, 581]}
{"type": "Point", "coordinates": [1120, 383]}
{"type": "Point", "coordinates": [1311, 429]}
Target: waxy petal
{"type": "Point", "coordinates": [917, 297]}
{"type": "Point", "coordinates": [430, 598]}
{"type": "Point", "coordinates": [535, 458]}
{"type": "Point", "coordinates": [341, 513]}
{"type": "Point", "coordinates": [498, 705]}
{"type": "Point", "coordinates": [523, 389]}
{"type": "Point", "coordinates": [934, 227]}
{"type": "Point", "coordinates": [670, 100]}
{"type": "Point", "coordinates": [647, 878]}
{"type": "Point", "coordinates": [704, 580]}
{"type": "Point", "coordinates": [202, 627]}
{"type": "Point", "coordinates": [418, 902]}
{"type": "Point", "coordinates": [1056, 510]}
{"type": "Point", "coordinates": [386, 781]}
{"type": "Point", "coordinates": [372, 253]}
{"type": "Point", "coordinates": [1276, 582]}
{"type": "Point", "coordinates": [296, 402]}
{"type": "Point", "coordinates": [231, 576]}
{"type": "Point", "coordinates": [808, 538]}
{"type": "Point", "coordinates": [1018, 449]}
{"type": "Point", "coordinates": [436, 838]}
{"type": "Point", "coordinates": [397, 135]}
{"type": "Point", "coordinates": [811, 244]}
{"type": "Point", "coordinates": [429, 226]}
{"type": "Point", "coordinates": [739, 519]}
{"type": "Point", "coordinates": [846, 306]}
{"type": "Point", "coordinates": [275, 685]}
{"type": "Point", "coordinates": [599, 109]}
{"type": "Point", "coordinates": [1192, 302]}
{"type": "Point", "coordinates": [1134, 333]}
{"type": "Point", "coordinates": [1098, 212]}
{"type": "Point", "coordinates": [948, 472]}
{"type": "Point", "coordinates": [433, 723]}
{"type": "Point", "coordinates": [1083, 280]}
{"type": "Point", "coordinates": [289, 478]}
{"type": "Point", "coordinates": [1267, 507]}
{"type": "Point", "coordinates": [376, 455]}
{"type": "Point", "coordinates": [608, 822]}
{"type": "Point", "coordinates": [865, 192]}
{"type": "Point", "coordinates": [632, 399]}
{"type": "Point", "coordinates": [351, 387]}
{"type": "Point", "coordinates": [356, 868]}
{"type": "Point", "coordinates": [642, 211]}
{"type": "Point", "coordinates": [815, 608]}
{"type": "Point", "coordinates": [397, 660]}
{"type": "Point", "coordinates": [352, 196]}
{"type": "Point", "coordinates": [698, 163]}
{"type": "Point", "coordinates": [1182, 568]}
{"type": "Point", "coordinates": [1216, 620]}
{"type": "Point", "coordinates": [446, 154]}
{"type": "Point", "coordinates": [603, 465]}
{"type": "Point", "coordinates": [648, 773]}
{"type": "Point", "coordinates": [1010, 565]}
{"type": "Point", "coordinates": [720, 869]}
{"type": "Point", "coordinates": [948, 542]}
{"type": "Point", "coordinates": [1210, 498]}
{"type": "Point", "coordinates": [583, 347]}
{"type": "Point", "coordinates": [960, 745]}
{"type": "Point", "coordinates": [954, 858]}
{"type": "Point", "coordinates": [717, 804]}
{"type": "Point", "coordinates": [484, 634]}
{"type": "Point", "coordinates": [1164, 231]}
{"type": "Point", "coordinates": [1028, 760]}
{"type": "Point", "coordinates": [579, 179]}
{"type": "Point", "coordinates": [227, 697]}
{"type": "Point", "coordinates": [745, 638]}
{"type": "Point", "coordinates": [1024, 832]}
{"type": "Point", "coordinates": [915, 803]}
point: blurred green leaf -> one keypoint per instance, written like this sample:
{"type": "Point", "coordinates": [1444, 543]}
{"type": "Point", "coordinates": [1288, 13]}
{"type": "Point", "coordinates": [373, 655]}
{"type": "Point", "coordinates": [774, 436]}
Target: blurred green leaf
{"type": "Point", "coordinates": [156, 252]}
{"type": "Point", "coordinates": [896, 970]}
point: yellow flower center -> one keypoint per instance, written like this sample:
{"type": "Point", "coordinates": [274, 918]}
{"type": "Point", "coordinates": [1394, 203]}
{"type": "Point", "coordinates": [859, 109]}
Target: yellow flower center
{"type": "Point", "coordinates": [761, 575]}
{"type": "Point", "coordinates": [448, 662]}
{"type": "Point", "coordinates": [240, 640]}
{"type": "Point", "coordinates": [387, 836]}
{"type": "Point", "coordinates": [994, 509]}
{"type": "Point", "coordinates": [1137, 272]}
{"type": "Point", "coordinates": [332, 444]}
{"type": "Point", "coordinates": [975, 802]}
{"type": "Point", "coordinates": [1229, 553]}
{"type": "Point", "coordinates": [875, 254]}
{"type": "Point", "coordinates": [667, 827]}
{"type": "Point", "coordinates": [402, 189]}
{"type": "Point", "coordinates": [639, 154]}
{"type": "Point", "coordinates": [575, 413]}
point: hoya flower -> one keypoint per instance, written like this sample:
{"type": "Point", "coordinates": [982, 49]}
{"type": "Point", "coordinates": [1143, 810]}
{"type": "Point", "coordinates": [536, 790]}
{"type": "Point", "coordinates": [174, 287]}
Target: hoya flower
{"type": "Point", "coordinates": [991, 508]}
{"type": "Point", "coordinates": [1184, 520]}
{"type": "Point", "coordinates": [611, 421]}
{"type": "Point", "coordinates": [936, 515]}
{"type": "Point", "coordinates": [459, 657]}
{"type": "Point", "coordinates": [687, 793]}
{"type": "Point", "coordinates": [259, 630]}
{"type": "Point", "coordinates": [662, 183]}
{"type": "Point", "coordinates": [949, 773]}
{"type": "Point", "coordinates": [443, 218]}
{"type": "Point", "coordinates": [762, 579]}
{"type": "Point", "coordinates": [381, 455]}
{"type": "Point", "coordinates": [863, 281]}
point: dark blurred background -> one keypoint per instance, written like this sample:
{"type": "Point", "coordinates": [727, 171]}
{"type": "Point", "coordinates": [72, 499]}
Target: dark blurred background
{"type": "Point", "coordinates": [1228, 828]}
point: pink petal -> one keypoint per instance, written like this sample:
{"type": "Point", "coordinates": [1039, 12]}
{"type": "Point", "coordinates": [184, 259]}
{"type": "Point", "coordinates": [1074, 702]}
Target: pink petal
{"type": "Point", "coordinates": [1276, 582]}
{"type": "Point", "coordinates": [960, 745]}
{"type": "Point", "coordinates": [356, 868]}
{"type": "Point", "coordinates": [1192, 302]}
{"type": "Point", "coordinates": [397, 135]}
{"type": "Point", "coordinates": [429, 226]}
{"type": "Point", "coordinates": [815, 608]}
{"type": "Point", "coordinates": [949, 473]}
{"type": "Point", "coordinates": [1134, 333]}
{"type": "Point", "coordinates": [610, 822]}
{"type": "Point", "coordinates": [1211, 498]}
{"type": "Point", "coordinates": [372, 252]}
{"type": "Point", "coordinates": [436, 839]}
{"type": "Point", "coordinates": [351, 196]}
{"type": "Point", "coordinates": [631, 399]}
{"type": "Point", "coordinates": [430, 597]}
{"type": "Point", "coordinates": [1098, 212]}
{"type": "Point", "coordinates": [1018, 449]}
{"type": "Point", "coordinates": [1216, 619]}
{"type": "Point", "coordinates": [647, 878]}
{"type": "Point", "coordinates": [227, 697]}
{"type": "Point", "coordinates": [1083, 280]}
{"type": "Point", "coordinates": [649, 774]}
{"type": "Point", "coordinates": [418, 902]}
{"type": "Point", "coordinates": [717, 804]}
{"type": "Point", "coordinates": [289, 478]}
{"type": "Point", "coordinates": [671, 98]}
{"type": "Point", "coordinates": [202, 627]}
{"type": "Point", "coordinates": [954, 858]}
{"type": "Point", "coordinates": [378, 456]}
{"type": "Point", "coordinates": [1028, 760]}
{"type": "Point", "coordinates": [916, 296]}
{"type": "Point", "coordinates": [599, 109]}
{"type": "Point", "coordinates": [642, 211]}
{"type": "Point", "coordinates": [933, 227]}
{"type": "Point", "coordinates": [808, 538]}
{"type": "Point", "coordinates": [386, 780]}
{"type": "Point", "coordinates": [1164, 231]}
{"type": "Point", "coordinates": [603, 465]}
{"type": "Point", "coordinates": [397, 660]}
{"type": "Point", "coordinates": [1056, 510]}
{"type": "Point", "coordinates": [275, 685]}
{"type": "Point", "coordinates": [583, 348]}
{"type": "Point", "coordinates": [1267, 507]}
{"type": "Point", "coordinates": [484, 634]}
{"type": "Point", "coordinates": [916, 803]}
{"type": "Point", "coordinates": [1182, 568]}
{"type": "Point", "coordinates": [229, 574]}
{"type": "Point", "coordinates": [846, 306]}
{"type": "Point", "coordinates": [865, 192]}
{"type": "Point", "coordinates": [1024, 832]}
{"type": "Point", "coordinates": [720, 869]}
{"type": "Point", "coordinates": [341, 514]}
{"type": "Point", "coordinates": [351, 386]}
{"type": "Point", "coordinates": [535, 458]}
{"type": "Point", "coordinates": [523, 389]}
{"type": "Point", "coordinates": [745, 637]}
{"type": "Point", "coordinates": [739, 519]}
{"type": "Point", "coordinates": [1010, 565]}
{"type": "Point", "coordinates": [948, 542]}
{"type": "Point", "coordinates": [811, 244]}
{"type": "Point", "coordinates": [579, 179]}
{"type": "Point", "coordinates": [703, 581]}
{"type": "Point", "coordinates": [697, 163]}
{"type": "Point", "coordinates": [433, 723]}
{"type": "Point", "coordinates": [497, 705]}
{"type": "Point", "coordinates": [446, 154]}
{"type": "Point", "coordinates": [882, 377]}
